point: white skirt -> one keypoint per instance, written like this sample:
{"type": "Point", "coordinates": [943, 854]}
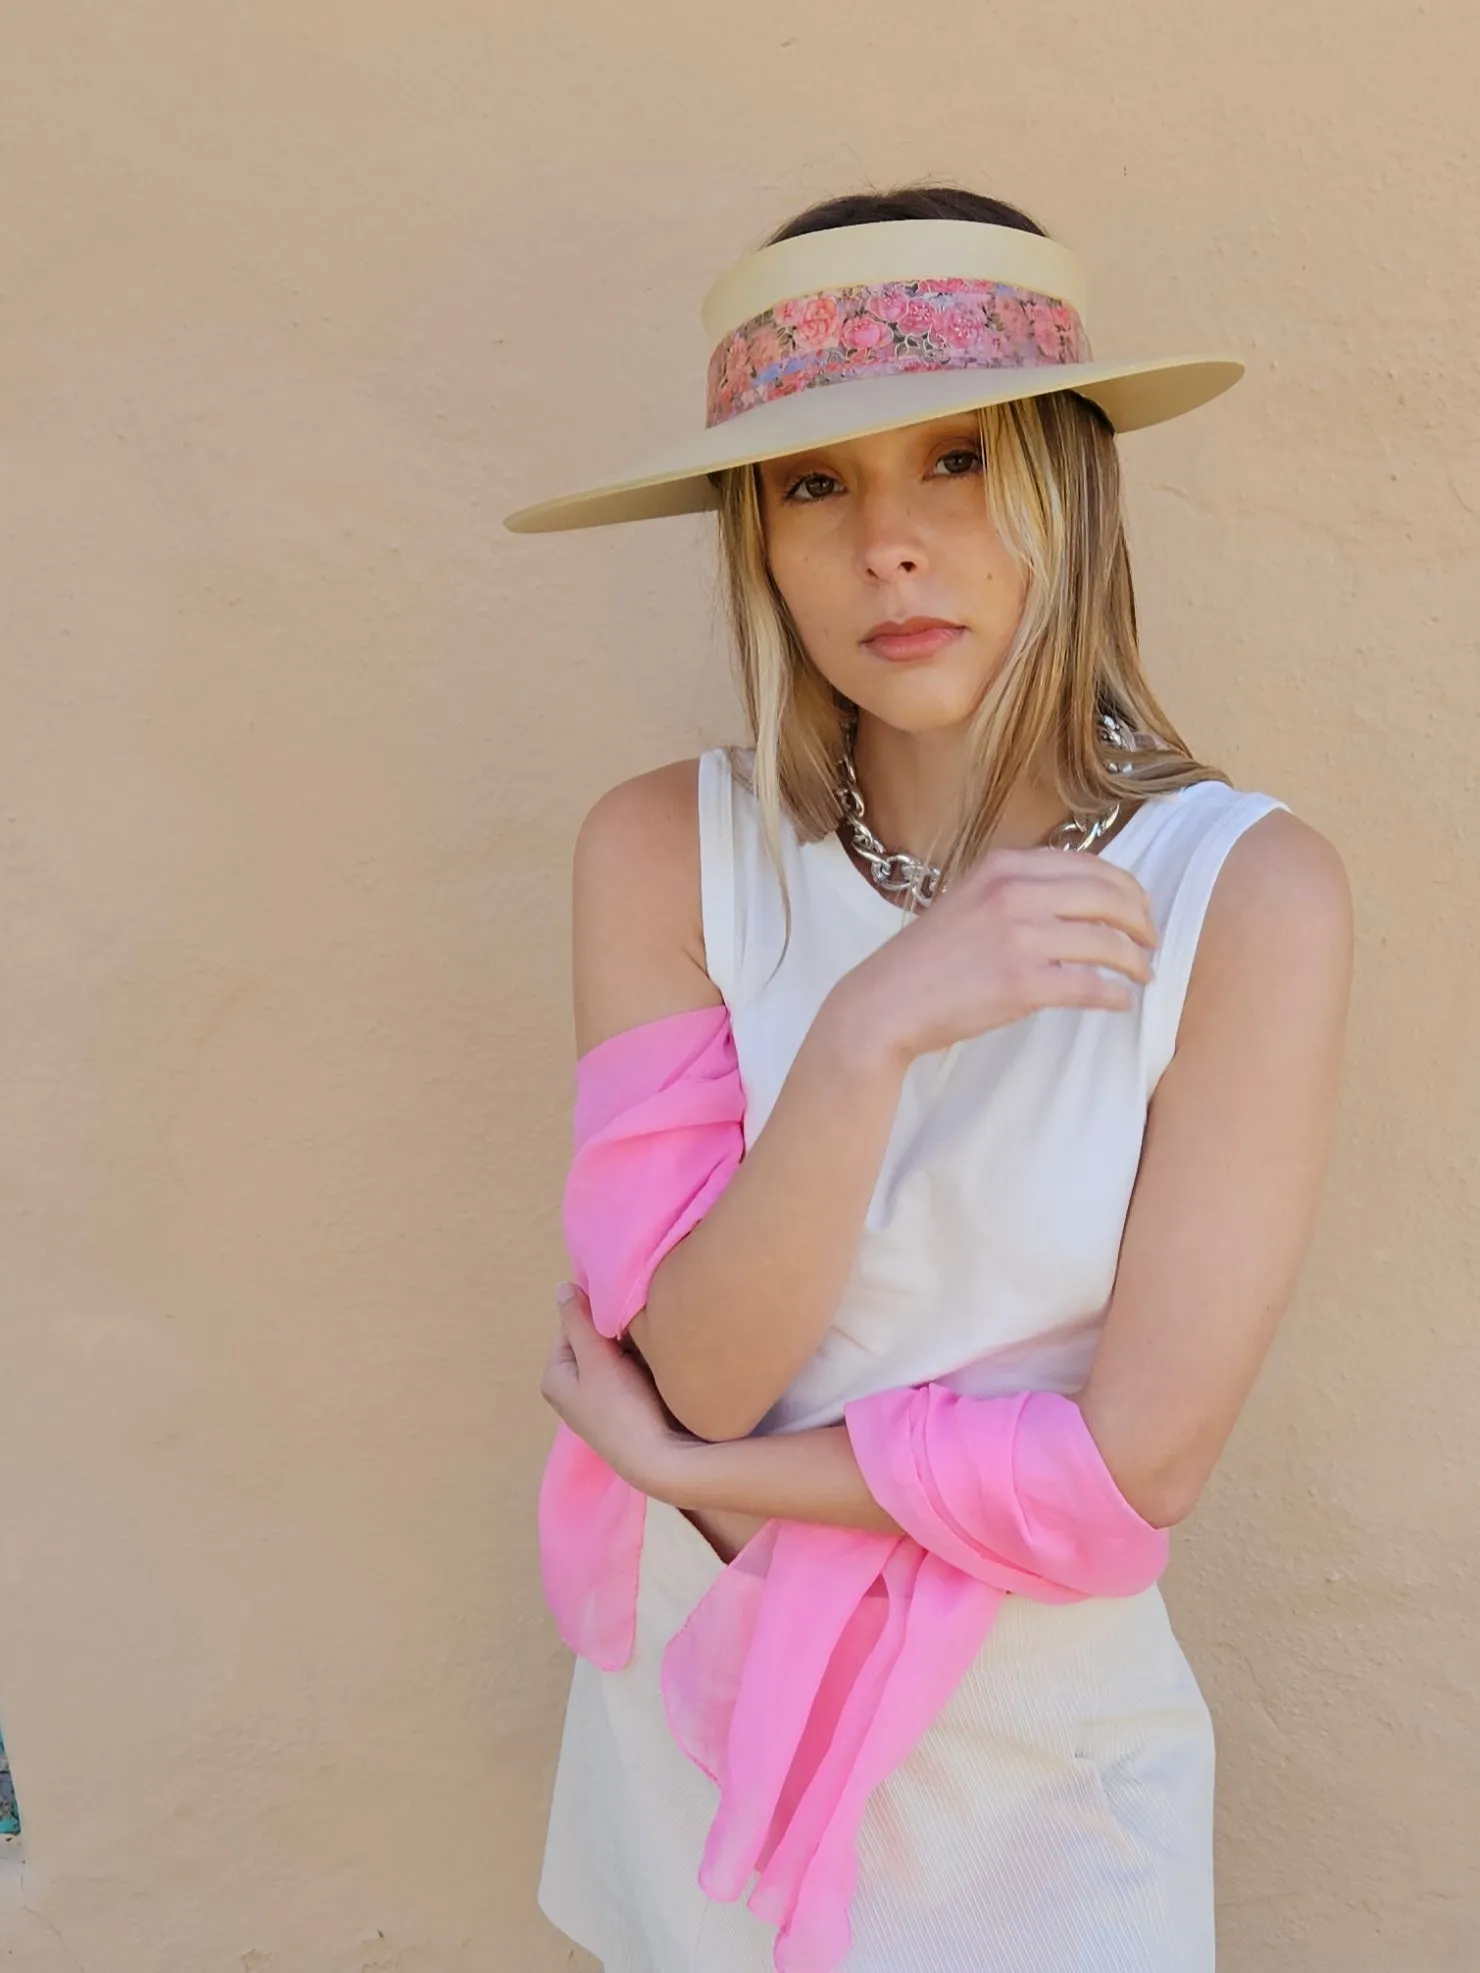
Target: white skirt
{"type": "Point", "coordinates": [1057, 1817]}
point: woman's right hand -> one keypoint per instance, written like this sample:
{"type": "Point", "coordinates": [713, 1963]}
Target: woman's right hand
{"type": "Point", "coordinates": [1020, 930]}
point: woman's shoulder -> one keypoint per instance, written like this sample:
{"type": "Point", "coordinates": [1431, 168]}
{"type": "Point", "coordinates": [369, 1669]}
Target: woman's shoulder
{"type": "Point", "coordinates": [1259, 957]}
{"type": "Point", "coordinates": [1247, 894]}
{"type": "Point", "coordinates": [647, 835]}
{"type": "Point", "coordinates": [1281, 880]}
{"type": "Point", "coordinates": [1244, 850]}
{"type": "Point", "coordinates": [641, 836]}
{"type": "Point", "coordinates": [637, 929]}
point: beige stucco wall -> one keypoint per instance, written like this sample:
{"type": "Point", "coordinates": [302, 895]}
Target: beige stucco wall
{"type": "Point", "coordinates": [297, 302]}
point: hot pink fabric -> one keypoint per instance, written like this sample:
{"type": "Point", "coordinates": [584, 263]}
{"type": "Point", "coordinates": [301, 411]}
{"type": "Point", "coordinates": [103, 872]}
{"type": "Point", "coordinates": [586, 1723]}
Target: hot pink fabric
{"type": "Point", "coordinates": [819, 1656]}
{"type": "Point", "coordinates": [658, 1131]}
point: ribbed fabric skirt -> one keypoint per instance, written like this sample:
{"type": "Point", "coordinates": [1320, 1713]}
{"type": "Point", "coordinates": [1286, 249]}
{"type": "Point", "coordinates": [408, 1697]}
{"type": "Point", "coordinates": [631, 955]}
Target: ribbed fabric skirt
{"type": "Point", "coordinates": [1056, 1818]}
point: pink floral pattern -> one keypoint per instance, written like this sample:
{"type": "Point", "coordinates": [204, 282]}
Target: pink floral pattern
{"type": "Point", "coordinates": [885, 329]}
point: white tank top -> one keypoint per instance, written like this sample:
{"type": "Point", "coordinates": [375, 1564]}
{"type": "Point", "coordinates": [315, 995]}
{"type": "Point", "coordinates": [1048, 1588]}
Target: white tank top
{"type": "Point", "coordinates": [992, 1238]}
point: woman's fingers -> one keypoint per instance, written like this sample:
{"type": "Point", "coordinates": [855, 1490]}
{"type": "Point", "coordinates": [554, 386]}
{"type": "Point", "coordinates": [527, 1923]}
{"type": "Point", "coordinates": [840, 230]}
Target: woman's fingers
{"type": "Point", "coordinates": [560, 1372]}
{"type": "Point", "coordinates": [1076, 887]}
{"type": "Point", "coordinates": [1089, 942]}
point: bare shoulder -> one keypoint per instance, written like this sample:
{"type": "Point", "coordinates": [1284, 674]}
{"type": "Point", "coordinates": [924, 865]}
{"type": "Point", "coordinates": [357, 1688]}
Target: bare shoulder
{"type": "Point", "coordinates": [1278, 934]}
{"type": "Point", "coordinates": [637, 931]}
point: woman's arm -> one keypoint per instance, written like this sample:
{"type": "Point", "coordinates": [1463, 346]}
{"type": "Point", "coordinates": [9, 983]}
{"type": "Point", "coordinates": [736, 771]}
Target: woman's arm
{"type": "Point", "coordinates": [742, 1302]}
{"type": "Point", "coordinates": [1237, 1140]}
{"type": "Point", "coordinates": [785, 1476]}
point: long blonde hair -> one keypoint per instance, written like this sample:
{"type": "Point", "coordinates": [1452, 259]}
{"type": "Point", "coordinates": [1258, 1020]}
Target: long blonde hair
{"type": "Point", "coordinates": [1052, 481]}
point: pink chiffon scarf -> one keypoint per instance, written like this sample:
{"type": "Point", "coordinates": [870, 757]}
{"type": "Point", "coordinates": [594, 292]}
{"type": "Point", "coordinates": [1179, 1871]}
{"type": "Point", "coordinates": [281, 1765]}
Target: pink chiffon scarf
{"type": "Point", "coordinates": [819, 1656]}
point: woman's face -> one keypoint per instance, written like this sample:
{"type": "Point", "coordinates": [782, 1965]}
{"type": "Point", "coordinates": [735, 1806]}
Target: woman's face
{"type": "Point", "coordinates": [883, 529]}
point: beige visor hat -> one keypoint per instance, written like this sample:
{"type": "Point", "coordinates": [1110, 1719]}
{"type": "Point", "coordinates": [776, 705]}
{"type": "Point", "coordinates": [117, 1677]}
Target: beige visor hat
{"type": "Point", "coordinates": [831, 335]}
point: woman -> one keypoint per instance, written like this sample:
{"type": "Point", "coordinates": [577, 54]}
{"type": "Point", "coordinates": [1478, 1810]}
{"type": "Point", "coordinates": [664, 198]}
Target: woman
{"type": "Point", "coordinates": [1032, 1121]}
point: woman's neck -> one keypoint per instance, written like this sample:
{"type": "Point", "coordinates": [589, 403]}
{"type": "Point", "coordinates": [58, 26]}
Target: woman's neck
{"type": "Point", "coordinates": [912, 786]}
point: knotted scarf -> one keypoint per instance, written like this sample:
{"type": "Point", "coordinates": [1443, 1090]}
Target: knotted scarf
{"type": "Point", "coordinates": [819, 1655]}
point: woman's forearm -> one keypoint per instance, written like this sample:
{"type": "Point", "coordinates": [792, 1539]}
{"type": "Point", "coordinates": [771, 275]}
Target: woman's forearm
{"type": "Point", "coordinates": [800, 1476]}
{"type": "Point", "coordinates": [737, 1308]}
{"type": "Point", "coordinates": [786, 1476]}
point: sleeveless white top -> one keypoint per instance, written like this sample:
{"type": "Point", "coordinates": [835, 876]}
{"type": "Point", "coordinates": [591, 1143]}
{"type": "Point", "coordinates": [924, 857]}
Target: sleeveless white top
{"type": "Point", "coordinates": [990, 1245]}
{"type": "Point", "coordinates": [1058, 1815]}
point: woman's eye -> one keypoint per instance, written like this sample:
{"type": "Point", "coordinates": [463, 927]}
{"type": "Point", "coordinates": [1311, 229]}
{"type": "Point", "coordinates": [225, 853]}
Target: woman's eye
{"type": "Point", "coordinates": [807, 479]}
{"type": "Point", "coordinates": [795, 490]}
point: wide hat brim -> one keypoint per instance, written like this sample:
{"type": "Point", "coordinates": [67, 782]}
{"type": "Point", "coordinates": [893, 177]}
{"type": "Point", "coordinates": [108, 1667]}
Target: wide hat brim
{"type": "Point", "coordinates": [1131, 395]}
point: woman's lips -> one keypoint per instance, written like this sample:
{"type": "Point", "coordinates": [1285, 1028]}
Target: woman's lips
{"type": "Point", "coordinates": [913, 643]}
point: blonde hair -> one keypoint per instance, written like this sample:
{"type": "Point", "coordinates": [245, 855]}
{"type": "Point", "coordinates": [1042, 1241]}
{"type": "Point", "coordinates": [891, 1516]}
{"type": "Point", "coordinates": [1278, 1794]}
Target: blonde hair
{"type": "Point", "coordinates": [1052, 482]}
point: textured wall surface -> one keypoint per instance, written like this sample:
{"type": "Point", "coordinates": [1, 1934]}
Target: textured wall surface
{"type": "Point", "coordinates": [298, 301]}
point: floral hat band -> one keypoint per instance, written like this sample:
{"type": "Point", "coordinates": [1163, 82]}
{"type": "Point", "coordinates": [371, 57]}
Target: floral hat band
{"type": "Point", "coordinates": [885, 329]}
{"type": "Point", "coordinates": [907, 321]}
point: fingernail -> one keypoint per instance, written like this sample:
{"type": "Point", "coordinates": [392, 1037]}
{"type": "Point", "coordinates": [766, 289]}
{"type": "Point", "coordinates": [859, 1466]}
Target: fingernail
{"type": "Point", "coordinates": [566, 1292]}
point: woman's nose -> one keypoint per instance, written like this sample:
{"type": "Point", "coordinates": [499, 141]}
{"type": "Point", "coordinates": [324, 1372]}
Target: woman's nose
{"type": "Point", "coordinates": [889, 541]}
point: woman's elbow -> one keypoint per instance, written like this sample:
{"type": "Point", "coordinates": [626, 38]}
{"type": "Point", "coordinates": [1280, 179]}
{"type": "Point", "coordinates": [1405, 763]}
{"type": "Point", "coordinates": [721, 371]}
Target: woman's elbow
{"type": "Point", "coordinates": [1162, 1484]}
{"type": "Point", "coordinates": [1165, 1490]}
{"type": "Point", "coordinates": [705, 1416]}
{"type": "Point", "coordinates": [1161, 1499]}
{"type": "Point", "coordinates": [695, 1404]}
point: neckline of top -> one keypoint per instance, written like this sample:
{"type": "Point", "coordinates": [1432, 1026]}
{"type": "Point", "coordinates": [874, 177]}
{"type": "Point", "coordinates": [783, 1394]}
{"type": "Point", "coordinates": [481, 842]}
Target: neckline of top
{"type": "Point", "coordinates": [852, 885]}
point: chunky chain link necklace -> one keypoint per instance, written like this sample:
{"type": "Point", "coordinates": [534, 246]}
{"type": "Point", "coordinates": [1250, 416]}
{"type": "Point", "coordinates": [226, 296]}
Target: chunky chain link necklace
{"type": "Point", "coordinates": [896, 873]}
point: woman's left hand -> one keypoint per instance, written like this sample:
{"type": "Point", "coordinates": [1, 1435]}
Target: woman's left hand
{"type": "Point", "coordinates": [606, 1395]}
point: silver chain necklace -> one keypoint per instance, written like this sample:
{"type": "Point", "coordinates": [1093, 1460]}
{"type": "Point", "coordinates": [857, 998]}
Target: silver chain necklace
{"type": "Point", "coordinates": [895, 872]}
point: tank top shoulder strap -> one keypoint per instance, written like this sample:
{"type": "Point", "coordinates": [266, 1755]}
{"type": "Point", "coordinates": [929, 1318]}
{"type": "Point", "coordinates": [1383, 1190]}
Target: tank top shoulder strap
{"type": "Point", "coordinates": [719, 892]}
{"type": "Point", "coordinates": [1179, 865]}
{"type": "Point", "coordinates": [739, 896]}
